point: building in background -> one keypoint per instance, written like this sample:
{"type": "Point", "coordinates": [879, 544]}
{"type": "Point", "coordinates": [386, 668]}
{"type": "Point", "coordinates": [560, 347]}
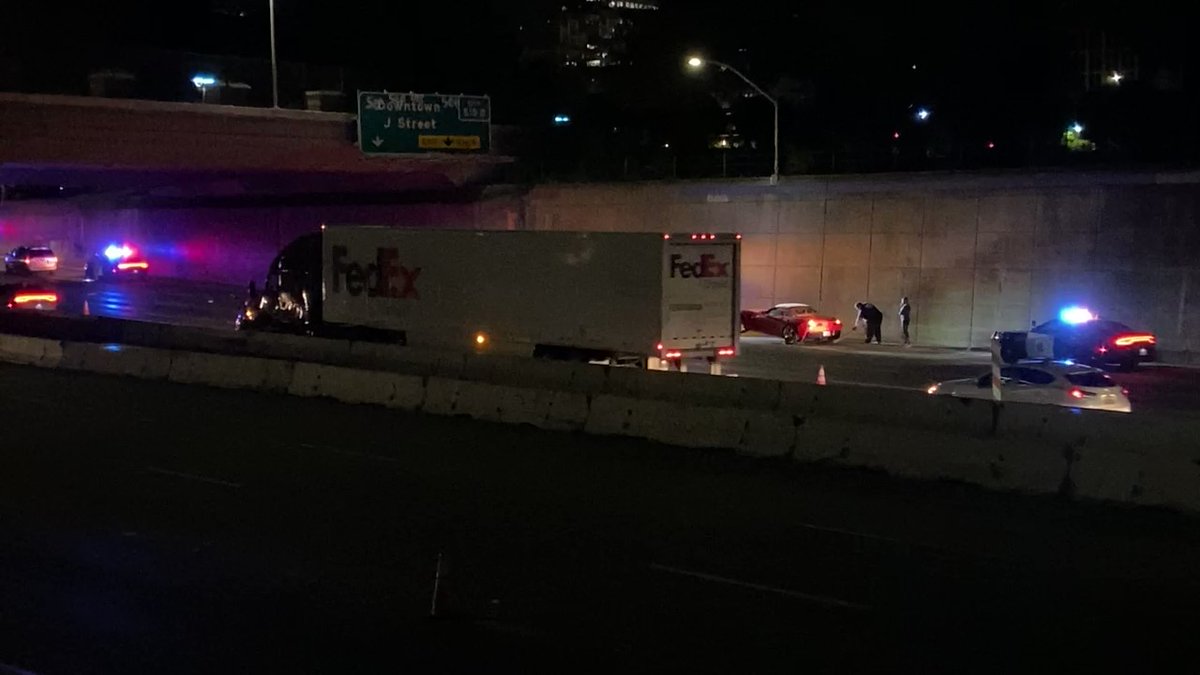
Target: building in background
{"type": "Point", "coordinates": [596, 33]}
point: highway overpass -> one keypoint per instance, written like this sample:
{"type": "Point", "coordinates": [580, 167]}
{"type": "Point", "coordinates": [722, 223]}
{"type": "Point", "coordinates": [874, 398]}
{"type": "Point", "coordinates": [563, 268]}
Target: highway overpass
{"type": "Point", "coordinates": [213, 191]}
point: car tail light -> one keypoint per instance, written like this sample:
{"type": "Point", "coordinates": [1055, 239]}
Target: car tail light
{"type": "Point", "coordinates": [1079, 393]}
{"type": "Point", "coordinates": [1130, 339]}
{"type": "Point", "coordinates": [26, 260]}
{"type": "Point", "coordinates": [26, 298]}
{"type": "Point", "coordinates": [133, 266]}
{"type": "Point", "coordinates": [672, 355]}
{"type": "Point", "coordinates": [812, 324]}
{"type": "Point", "coordinates": [726, 351]}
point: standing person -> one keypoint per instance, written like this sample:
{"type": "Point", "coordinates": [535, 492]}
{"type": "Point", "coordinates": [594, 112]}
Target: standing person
{"type": "Point", "coordinates": [905, 316]}
{"type": "Point", "coordinates": [870, 315]}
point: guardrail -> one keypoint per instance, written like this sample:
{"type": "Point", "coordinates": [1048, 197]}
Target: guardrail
{"type": "Point", "coordinates": [1142, 459]}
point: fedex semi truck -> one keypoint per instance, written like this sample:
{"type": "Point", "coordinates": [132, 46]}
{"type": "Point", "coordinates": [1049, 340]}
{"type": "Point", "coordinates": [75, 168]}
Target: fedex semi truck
{"type": "Point", "coordinates": [649, 299]}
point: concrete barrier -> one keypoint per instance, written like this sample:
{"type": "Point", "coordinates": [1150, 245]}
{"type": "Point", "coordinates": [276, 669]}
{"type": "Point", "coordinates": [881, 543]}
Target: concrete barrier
{"type": "Point", "coordinates": [768, 434]}
{"type": "Point", "coordinates": [1129, 459]}
{"type": "Point", "coordinates": [231, 372]}
{"type": "Point", "coordinates": [115, 359]}
{"type": "Point", "coordinates": [610, 415]}
{"type": "Point", "coordinates": [1135, 478]}
{"type": "Point", "coordinates": [393, 390]}
{"type": "Point", "coordinates": [31, 351]}
{"type": "Point", "coordinates": [441, 396]}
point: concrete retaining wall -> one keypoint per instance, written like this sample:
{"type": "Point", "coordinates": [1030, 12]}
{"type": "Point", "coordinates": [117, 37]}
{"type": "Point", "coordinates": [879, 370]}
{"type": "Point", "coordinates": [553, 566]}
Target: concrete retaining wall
{"type": "Point", "coordinates": [1129, 459]}
{"type": "Point", "coordinates": [974, 252]}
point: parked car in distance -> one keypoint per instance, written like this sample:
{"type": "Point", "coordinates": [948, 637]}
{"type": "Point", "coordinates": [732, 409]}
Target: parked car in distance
{"type": "Point", "coordinates": [794, 322]}
{"type": "Point", "coordinates": [30, 259]}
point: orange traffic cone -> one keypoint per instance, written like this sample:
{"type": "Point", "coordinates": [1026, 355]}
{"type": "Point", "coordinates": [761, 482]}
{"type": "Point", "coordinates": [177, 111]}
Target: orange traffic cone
{"type": "Point", "coordinates": [821, 375]}
{"type": "Point", "coordinates": [86, 311]}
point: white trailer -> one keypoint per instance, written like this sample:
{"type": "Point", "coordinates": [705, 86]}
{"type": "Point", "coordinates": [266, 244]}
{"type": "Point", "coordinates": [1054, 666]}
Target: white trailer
{"type": "Point", "coordinates": [653, 298]}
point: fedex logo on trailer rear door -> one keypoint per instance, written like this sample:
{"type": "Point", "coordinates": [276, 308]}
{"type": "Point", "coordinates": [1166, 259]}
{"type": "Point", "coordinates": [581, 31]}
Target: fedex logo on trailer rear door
{"type": "Point", "coordinates": [706, 266]}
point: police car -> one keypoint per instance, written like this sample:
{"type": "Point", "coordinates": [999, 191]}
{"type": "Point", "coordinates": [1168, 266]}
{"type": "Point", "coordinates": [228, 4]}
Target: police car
{"type": "Point", "coordinates": [1083, 337]}
{"type": "Point", "coordinates": [115, 262]}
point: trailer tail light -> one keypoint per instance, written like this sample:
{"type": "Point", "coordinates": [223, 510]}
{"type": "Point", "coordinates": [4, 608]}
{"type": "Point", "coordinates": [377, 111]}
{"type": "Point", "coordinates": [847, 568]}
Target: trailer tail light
{"type": "Point", "coordinates": [726, 351]}
{"type": "Point", "coordinates": [658, 347]}
{"type": "Point", "coordinates": [837, 321]}
{"type": "Point", "coordinates": [672, 355]}
{"type": "Point", "coordinates": [737, 236]}
{"type": "Point", "coordinates": [666, 236]}
{"type": "Point", "coordinates": [1131, 339]}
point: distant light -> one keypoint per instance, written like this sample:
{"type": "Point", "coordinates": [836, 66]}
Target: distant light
{"type": "Point", "coordinates": [991, 145]}
{"type": "Point", "coordinates": [480, 339]}
{"type": "Point", "coordinates": [667, 145]}
{"type": "Point", "coordinates": [1077, 127]}
{"type": "Point", "coordinates": [1116, 77]}
{"type": "Point", "coordinates": [696, 62]}
{"type": "Point", "coordinates": [895, 135]}
{"type": "Point", "coordinates": [914, 66]}
{"type": "Point", "coordinates": [201, 81]}
{"type": "Point", "coordinates": [1076, 315]}
{"type": "Point", "coordinates": [562, 119]}
{"type": "Point", "coordinates": [923, 114]}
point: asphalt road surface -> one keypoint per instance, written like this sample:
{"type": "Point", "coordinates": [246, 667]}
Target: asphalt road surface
{"type": "Point", "coordinates": [209, 305]}
{"type": "Point", "coordinates": [157, 528]}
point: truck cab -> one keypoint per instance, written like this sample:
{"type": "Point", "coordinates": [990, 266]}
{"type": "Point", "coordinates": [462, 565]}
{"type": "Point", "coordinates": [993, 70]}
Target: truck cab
{"type": "Point", "coordinates": [290, 300]}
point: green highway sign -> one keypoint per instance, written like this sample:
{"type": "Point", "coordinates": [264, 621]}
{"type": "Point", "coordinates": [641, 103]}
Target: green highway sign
{"type": "Point", "coordinates": [394, 124]}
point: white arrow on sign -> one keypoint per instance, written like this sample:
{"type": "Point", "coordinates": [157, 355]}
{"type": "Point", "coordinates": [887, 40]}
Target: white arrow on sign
{"type": "Point", "coordinates": [377, 141]}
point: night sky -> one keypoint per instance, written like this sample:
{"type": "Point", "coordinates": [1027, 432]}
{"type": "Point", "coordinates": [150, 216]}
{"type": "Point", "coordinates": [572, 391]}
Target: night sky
{"type": "Point", "coordinates": [990, 71]}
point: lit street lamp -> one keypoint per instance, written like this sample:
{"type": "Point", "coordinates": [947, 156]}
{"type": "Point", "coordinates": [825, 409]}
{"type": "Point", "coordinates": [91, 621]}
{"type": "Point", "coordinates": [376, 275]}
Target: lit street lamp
{"type": "Point", "coordinates": [696, 63]}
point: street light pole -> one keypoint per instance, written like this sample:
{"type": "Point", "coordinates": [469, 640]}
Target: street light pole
{"type": "Point", "coordinates": [274, 67]}
{"type": "Point", "coordinates": [697, 62]}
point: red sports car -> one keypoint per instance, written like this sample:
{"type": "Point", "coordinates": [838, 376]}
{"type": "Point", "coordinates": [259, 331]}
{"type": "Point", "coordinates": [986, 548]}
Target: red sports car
{"type": "Point", "coordinates": [794, 322]}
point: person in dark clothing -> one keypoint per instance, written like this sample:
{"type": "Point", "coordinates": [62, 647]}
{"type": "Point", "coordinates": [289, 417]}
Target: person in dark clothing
{"type": "Point", "coordinates": [870, 315]}
{"type": "Point", "coordinates": [905, 316]}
